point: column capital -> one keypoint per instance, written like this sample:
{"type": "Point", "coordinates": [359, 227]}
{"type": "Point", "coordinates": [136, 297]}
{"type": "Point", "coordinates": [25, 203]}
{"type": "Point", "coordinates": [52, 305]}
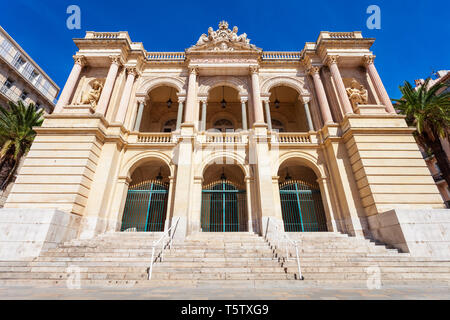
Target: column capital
{"type": "Point", "coordinates": [181, 99]}
{"type": "Point", "coordinates": [115, 59]}
{"type": "Point", "coordinates": [140, 100]}
{"type": "Point", "coordinates": [304, 99]}
{"type": "Point", "coordinates": [132, 70]}
{"type": "Point", "coordinates": [254, 69]}
{"type": "Point", "coordinates": [193, 70]}
{"type": "Point", "coordinates": [81, 60]}
{"type": "Point", "coordinates": [313, 70]}
{"type": "Point", "coordinates": [203, 100]}
{"type": "Point", "coordinates": [244, 99]}
{"type": "Point", "coordinates": [369, 59]}
{"type": "Point", "coordinates": [333, 59]}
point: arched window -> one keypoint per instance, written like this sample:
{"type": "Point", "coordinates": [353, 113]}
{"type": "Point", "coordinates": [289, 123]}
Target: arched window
{"type": "Point", "coordinates": [223, 125]}
{"type": "Point", "coordinates": [277, 125]}
{"type": "Point", "coordinates": [170, 126]}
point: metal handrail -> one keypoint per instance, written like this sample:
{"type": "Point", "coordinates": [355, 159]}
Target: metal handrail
{"type": "Point", "coordinates": [280, 236]}
{"type": "Point", "coordinates": [163, 246]}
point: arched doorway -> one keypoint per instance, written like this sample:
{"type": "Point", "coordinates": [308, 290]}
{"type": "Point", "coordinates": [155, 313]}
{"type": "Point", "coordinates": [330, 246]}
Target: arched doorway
{"type": "Point", "coordinates": [161, 110]}
{"type": "Point", "coordinates": [301, 201]}
{"type": "Point", "coordinates": [146, 203]}
{"type": "Point", "coordinates": [286, 110]}
{"type": "Point", "coordinates": [224, 200]}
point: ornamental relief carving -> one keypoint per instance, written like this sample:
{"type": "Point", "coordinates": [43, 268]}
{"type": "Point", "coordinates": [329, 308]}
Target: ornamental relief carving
{"type": "Point", "coordinates": [224, 60]}
{"type": "Point", "coordinates": [357, 94]}
{"type": "Point", "coordinates": [91, 93]}
{"type": "Point", "coordinates": [223, 39]}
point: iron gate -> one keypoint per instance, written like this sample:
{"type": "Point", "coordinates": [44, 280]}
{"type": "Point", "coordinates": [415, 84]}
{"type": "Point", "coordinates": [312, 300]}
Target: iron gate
{"type": "Point", "coordinates": [224, 208]}
{"type": "Point", "coordinates": [302, 208]}
{"type": "Point", "coordinates": [145, 207]}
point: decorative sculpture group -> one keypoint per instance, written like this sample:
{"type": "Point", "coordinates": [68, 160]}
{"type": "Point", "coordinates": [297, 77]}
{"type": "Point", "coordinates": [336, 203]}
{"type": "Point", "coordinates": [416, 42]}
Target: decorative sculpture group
{"type": "Point", "coordinates": [93, 94]}
{"type": "Point", "coordinates": [223, 35]}
{"type": "Point", "coordinates": [357, 94]}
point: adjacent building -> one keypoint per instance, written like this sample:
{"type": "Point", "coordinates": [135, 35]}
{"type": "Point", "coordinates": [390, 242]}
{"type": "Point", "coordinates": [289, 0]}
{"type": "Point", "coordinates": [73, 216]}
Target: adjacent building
{"type": "Point", "coordinates": [22, 79]}
{"type": "Point", "coordinates": [442, 76]}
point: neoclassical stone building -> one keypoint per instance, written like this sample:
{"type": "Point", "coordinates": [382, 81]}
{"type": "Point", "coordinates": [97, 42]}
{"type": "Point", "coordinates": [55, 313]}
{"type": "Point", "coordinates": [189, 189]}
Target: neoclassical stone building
{"type": "Point", "coordinates": [223, 137]}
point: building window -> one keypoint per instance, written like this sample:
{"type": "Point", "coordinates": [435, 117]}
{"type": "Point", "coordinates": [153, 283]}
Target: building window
{"type": "Point", "coordinates": [5, 48]}
{"type": "Point", "coordinates": [170, 125]}
{"type": "Point", "coordinates": [34, 75]}
{"type": "Point", "coordinates": [277, 125]}
{"type": "Point", "coordinates": [7, 85]}
{"type": "Point", "coordinates": [38, 106]}
{"type": "Point", "coordinates": [223, 125]}
{"type": "Point", "coordinates": [19, 62]}
{"type": "Point", "coordinates": [24, 95]}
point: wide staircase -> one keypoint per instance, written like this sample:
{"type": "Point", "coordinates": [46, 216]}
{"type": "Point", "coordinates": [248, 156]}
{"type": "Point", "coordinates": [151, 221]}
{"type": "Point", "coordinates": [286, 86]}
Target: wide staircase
{"type": "Point", "coordinates": [221, 258]}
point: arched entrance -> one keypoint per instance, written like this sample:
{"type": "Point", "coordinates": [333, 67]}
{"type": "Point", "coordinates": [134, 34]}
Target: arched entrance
{"type": "Point", "coordinates": [147, 199]}
{"type": "Point", "coordinates": [301, 201]}
{"type": "Point", "coordinates": [224, 200]}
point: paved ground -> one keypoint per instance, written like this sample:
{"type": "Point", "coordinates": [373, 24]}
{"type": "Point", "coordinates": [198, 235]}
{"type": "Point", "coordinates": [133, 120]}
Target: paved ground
{"type": "Point", "coordinates": [209, 292]}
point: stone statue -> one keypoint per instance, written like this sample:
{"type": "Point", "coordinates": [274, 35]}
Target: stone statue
{"type": "Point", "coordinates": [202, 40]}
{"type": "Point", "coordinates": [224, 39]}
{"type": "Point", "coordinates": [357, 94]}
{"type": "Point", "coordinates": [93, 95]}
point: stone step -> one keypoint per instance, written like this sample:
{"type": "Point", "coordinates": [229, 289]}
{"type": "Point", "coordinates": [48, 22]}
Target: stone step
{"type": "Point", "coordinates": [256, 283]}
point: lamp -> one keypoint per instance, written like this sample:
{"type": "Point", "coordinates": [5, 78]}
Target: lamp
{"type": "Point", "coordinates": [223, 102]}
{"type": "Point", "coordinates": [276, 102]}
{"type": "Point", "coordinates": [223, 176]}
{"type": "Point", "coordinates": [288, 177]}
{"type": "Point", "coordinates": [159, 176]}
{"type": "Point", "coordinates": [169, 102]}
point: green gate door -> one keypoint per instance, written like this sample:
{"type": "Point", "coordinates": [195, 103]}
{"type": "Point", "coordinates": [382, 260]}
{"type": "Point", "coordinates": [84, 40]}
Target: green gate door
{"type": "Point", "coordinates": [145, 207]}
{"type": "Point", "coordinates": [224, 208]}
{"type": "Point", "coordinates": [302, 207]}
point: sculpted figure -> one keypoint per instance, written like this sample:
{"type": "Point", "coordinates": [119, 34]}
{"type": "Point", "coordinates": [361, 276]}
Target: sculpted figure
{"type": "Point", "coordinates": [202, 40]}
{"type": "Point", "coordinates": [234, 37]}
{"type": "Point", "coordinates": [357, 94]}
{"type": "Point", "coordinates": [212, 35]}
{"type": "Point", "coordinates": [93, 95]}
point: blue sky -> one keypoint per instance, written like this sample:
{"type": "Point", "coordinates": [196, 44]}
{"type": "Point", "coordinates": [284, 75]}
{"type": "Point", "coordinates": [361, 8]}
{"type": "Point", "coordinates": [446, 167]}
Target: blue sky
{"type": "Point", "coordinates": [412, 42]}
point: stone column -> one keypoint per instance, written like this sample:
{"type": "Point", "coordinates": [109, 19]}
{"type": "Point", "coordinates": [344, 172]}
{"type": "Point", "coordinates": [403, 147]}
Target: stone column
{"type": "Point", "coordinates": [203, 123]}
{"type": "Point", "coordinates": [125, 100]}
{"type": "Point", "coordinates": [69, 87]}
{"type": "Point", "coordinates": [249, 204]}
{"type": "Point", "coordinates": [321, 96]}
{"type": "Point", "coordinates": [180, 113]}
{"type": "Point", "coordinates": [191, 101]}
{"type": "Point", "coordinates": [308, 116]}
{"type": "Point", "coordinates": [331, 219]}
{"type": "Point", "coordinates": [379, 87]}
{"type": "Point", "coordinates": [257, 105]}
{"type": "Point", "coordinates": [109, 85]}
{"type": "Point", "coordinates": [118, 204]}
{"type": "Point", "coordinates": [141, 106]}
{"type": "Point", "coordinates": [169, 205]}
{"type": "Point", "coordinates": [244, 113]}
{"type": "Point", "coordinates": [268, 117]}
{"type": "Point", "coordinates": [336, 75]}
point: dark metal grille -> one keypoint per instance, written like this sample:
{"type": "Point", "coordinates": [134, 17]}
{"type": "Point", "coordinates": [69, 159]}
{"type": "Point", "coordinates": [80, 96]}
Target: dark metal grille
{"type": "Point", "coordinates": [145, 207]}
{"type": "Point", "coordinates": [224, 208]}
{"type": "Point", "coordinates": [302, 208]}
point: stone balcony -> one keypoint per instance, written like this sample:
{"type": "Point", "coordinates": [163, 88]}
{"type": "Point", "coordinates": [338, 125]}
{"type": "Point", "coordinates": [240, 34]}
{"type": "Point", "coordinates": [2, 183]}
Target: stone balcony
{"type": "Point", "coordinates": [162, 139]}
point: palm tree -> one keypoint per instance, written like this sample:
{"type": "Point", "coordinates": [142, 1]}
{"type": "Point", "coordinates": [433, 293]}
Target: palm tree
{"type": "Point", "coordinates": [429, 112]}
{"type": "Point", "coordinates": [17, 135]}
